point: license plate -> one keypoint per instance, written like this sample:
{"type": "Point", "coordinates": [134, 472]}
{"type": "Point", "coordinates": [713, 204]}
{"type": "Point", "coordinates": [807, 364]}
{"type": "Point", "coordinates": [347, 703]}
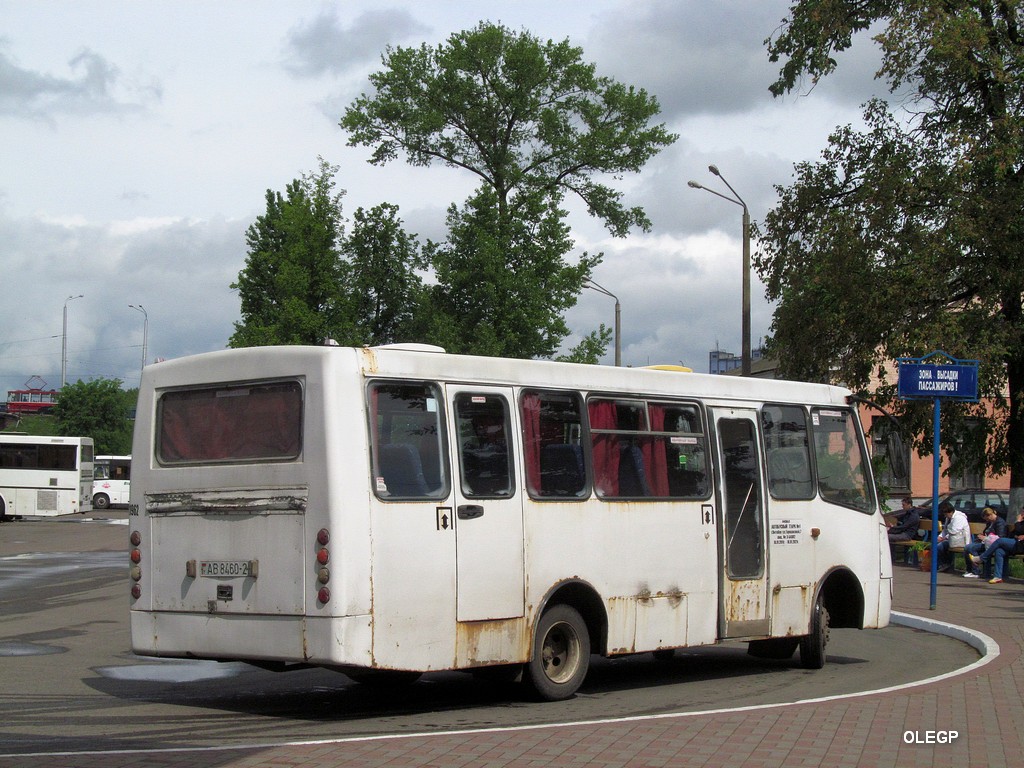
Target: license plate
{"type": "Point", "coordinates": [225, 568]}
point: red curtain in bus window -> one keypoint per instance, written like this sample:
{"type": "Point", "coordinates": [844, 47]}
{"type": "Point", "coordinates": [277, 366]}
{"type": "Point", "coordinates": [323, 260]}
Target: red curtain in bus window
{"type": "Point", "coordinates": [530, 406]}
{"type": "Point", "coordinates": [654, 454]}
{"type": "Point", "coordinates": [232, 424]}
{"type": "Point", "coordinates": [606, 447]}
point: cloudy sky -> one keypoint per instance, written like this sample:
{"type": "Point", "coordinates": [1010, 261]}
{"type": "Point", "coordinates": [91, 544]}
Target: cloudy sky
{"type": "Point", "coordinates": [139, 139]}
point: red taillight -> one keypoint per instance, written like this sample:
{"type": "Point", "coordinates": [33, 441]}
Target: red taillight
{"type": "Point", "coordinates": [323, 556]}
{"type": "Point", "coordinates": [135, 555]}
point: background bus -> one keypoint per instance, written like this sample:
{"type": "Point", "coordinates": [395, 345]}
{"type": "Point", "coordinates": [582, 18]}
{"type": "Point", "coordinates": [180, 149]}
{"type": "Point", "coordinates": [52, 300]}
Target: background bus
{"type": "Point", "coordinates": [111, 481]}
{"type": "Point", "coordinates": [45, 476]}
{"type": "Point", "coordinates": [398, 510]}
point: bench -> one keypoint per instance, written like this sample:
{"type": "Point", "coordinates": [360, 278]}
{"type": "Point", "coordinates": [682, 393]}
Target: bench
{"type": "Point", "coordinates": [924, 531]}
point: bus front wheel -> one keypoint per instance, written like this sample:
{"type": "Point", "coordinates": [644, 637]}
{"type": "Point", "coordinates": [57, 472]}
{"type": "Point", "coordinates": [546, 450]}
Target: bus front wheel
{"type": "Point", "coordinates": [561, 654]}
{"type": "Point", "coordinates": [100, 501]}
{"type": "Point", "coordinates": [812, 646]}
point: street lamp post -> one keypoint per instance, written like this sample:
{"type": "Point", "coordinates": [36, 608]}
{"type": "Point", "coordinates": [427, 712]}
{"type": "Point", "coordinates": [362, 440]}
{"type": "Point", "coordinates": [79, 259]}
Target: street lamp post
{"type": "Point", "coordinates": [64, 342]}
{"type": "Point", "coordinates": [145, 331]}
{"type": "Point", "coordinates": [618, 317]}
{"type": "Point", "coordinates": [745, 359]}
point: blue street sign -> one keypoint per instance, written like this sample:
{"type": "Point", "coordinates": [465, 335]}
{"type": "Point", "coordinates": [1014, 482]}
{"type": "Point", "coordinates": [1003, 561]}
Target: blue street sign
{"type": "Point", "coordinates": [920, 380]}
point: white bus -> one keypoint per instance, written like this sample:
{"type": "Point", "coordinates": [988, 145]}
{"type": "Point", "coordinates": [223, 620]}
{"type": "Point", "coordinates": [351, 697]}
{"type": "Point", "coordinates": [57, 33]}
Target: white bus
{"type": "Point", "coordinates": [112, 481]}
{"type": "Point", "coordinates": [45, 476]}
{"type": "Point", "coordinates": [398, 509]}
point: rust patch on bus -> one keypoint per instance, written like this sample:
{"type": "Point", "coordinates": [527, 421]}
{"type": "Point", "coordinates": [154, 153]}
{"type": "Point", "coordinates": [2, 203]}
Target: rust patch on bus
{"type": "Point", "coordinates": [369, 360]}
{"type": "Point", "coordinates": [744, 601]}
{"type": "Point", "coordinates": [675, 596]}
{"type": "Point", "coordinates": [497, 641]}
{"type": "Point", "coordinates": [248, 501]}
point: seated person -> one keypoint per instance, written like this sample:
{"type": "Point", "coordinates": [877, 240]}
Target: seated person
{"type": "Point", "coordinates": [908, 519]}
{"type": "Point", "coordinates": [956, 533]}
{"type": "Point", "coordinates": [1011, 544]}
{"type": "Point", "coordinates": [995, 528]}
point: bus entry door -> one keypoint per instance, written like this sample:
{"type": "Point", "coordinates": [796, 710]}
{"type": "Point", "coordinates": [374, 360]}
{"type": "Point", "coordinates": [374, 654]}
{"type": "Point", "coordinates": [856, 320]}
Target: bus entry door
{"type": "Point", "coordinates": [488, 504]}
{"type": "Point", "coordinates": [744, 574]}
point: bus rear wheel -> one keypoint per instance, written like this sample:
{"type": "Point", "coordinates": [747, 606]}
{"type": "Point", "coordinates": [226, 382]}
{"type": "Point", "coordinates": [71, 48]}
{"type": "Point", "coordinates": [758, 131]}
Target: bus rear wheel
{"type": "Point", "coordinates": [812, 646]}
{"type": "Point", "coordinates": [100, 501]}
{"type": "Point", "coordinates": [561, 654]}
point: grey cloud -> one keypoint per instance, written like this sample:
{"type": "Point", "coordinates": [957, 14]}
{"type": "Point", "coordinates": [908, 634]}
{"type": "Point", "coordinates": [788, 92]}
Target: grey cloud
{"type": "Point", "coordinates": [324, 46]}
{"type": "Point", "coordinates": [710, 58]}
{"type": "Point", "coordinates": [179, 271]}
{"type": "Point", "coordinates": [95, 86]}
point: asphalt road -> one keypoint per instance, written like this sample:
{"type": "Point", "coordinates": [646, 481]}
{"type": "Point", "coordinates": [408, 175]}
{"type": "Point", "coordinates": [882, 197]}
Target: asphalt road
{"type": "Point", "coordinates": [68, 681]}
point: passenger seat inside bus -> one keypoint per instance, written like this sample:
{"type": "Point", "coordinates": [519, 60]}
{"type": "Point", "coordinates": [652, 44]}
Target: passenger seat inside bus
{"type": "Point", "coordinates": [561, 470]}
{"type": "Point", "coordinates": [402, 470]}
{"type": "Point", "coordinates": [632, 475]}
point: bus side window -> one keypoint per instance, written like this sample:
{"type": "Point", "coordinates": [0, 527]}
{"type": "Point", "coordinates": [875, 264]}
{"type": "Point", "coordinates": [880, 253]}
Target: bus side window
{"type": "Point", "coordinates": [787, 450]}
{"type": "Point", "coordinates": [679, 457]}
{"type": "Point", "coordinates": [407, 439]}
{"type": "Point", "coordinates": [484, 459]}
{"type": "Point", "coordinates": [554, 461]}
{"type": "Point", "coordinates": [840, 458]}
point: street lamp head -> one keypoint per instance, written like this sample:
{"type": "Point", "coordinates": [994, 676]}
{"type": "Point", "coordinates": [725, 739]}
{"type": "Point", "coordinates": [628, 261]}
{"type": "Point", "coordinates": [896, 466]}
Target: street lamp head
{"type": "Point", "coordinates": [694, 184]}
{"type": "Point", "coordinates": [714, 170]}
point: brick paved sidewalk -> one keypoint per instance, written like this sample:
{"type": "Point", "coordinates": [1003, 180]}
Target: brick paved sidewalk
{"type": "Point", "coordinates": [983, 706]}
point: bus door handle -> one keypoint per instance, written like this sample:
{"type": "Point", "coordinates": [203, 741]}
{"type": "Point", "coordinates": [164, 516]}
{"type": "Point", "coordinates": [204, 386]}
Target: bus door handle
{"type": "Point", "coordinates": [470, 511]}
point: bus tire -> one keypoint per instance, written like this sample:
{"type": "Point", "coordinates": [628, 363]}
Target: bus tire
{"type": "Point", "coordinates": [100, 501]}
{"type": "Point", "coordinates": [812, 646]}
{"type": "Point", "coordinates": [561, 654]}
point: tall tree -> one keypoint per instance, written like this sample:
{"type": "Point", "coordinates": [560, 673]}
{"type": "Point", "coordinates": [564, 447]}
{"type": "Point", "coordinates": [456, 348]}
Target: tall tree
{"type": "Point", "coordinates": [290, 285]}
{"type": "Point", "coordinates": [502, 290]}
{"type": "Point", "coordinates": [381, 277]}
{"type": "Point", "coordinates": [98, 409]}
{"type": "Point", "coordinates": [532, 122]}
{"type": "Point", "coordinates": [520, 114]}
{"type": "Point", "coordinates": [908, 237]}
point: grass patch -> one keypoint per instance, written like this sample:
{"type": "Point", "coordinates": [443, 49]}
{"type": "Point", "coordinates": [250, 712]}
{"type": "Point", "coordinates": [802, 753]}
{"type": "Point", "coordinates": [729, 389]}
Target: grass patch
{"type": "Point", "coordinates": [34, 424]}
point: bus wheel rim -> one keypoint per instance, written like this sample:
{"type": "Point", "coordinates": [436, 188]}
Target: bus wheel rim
{"type": "Point", "coordinates": [561, 652]}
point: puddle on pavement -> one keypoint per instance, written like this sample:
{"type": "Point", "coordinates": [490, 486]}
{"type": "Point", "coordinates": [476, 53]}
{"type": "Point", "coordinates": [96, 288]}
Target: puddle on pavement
{"type": "Point", "coordinates": [28, 649]}
{"type": "Point", "coordinates": [175, 672]}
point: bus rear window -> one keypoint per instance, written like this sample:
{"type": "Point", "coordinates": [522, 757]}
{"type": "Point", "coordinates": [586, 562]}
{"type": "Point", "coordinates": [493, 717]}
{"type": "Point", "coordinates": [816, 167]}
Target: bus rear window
{"type": "Point", "coordinates": [238, 423]}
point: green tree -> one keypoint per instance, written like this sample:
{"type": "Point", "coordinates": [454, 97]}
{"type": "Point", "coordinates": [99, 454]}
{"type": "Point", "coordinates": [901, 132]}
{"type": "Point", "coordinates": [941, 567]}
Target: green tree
{"type": "Point", "coordinates": [520, 114]}
{"type": "Point", "coordinates": [380, 277]}
{"type": "Point", "coordinates": [907, 237]}
{"type": "Point", "coordinates": [590, 349]}
{"type": "Point", "coordinates": [98, 409]}
{"type": "Point", "coordinates": [502, 290]}
{"type": "Point", "coordinates": [533, 123]}
{"type": "Point", "coordinates": [290, 287]}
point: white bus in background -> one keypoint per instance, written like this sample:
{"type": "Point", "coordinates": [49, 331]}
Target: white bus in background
{"type": "Point", "coordinates": [401, 510]}
{"type": "Point", "coordinates": [112, 481]}
{"type": "Point", "coordinates": [45, 476]}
